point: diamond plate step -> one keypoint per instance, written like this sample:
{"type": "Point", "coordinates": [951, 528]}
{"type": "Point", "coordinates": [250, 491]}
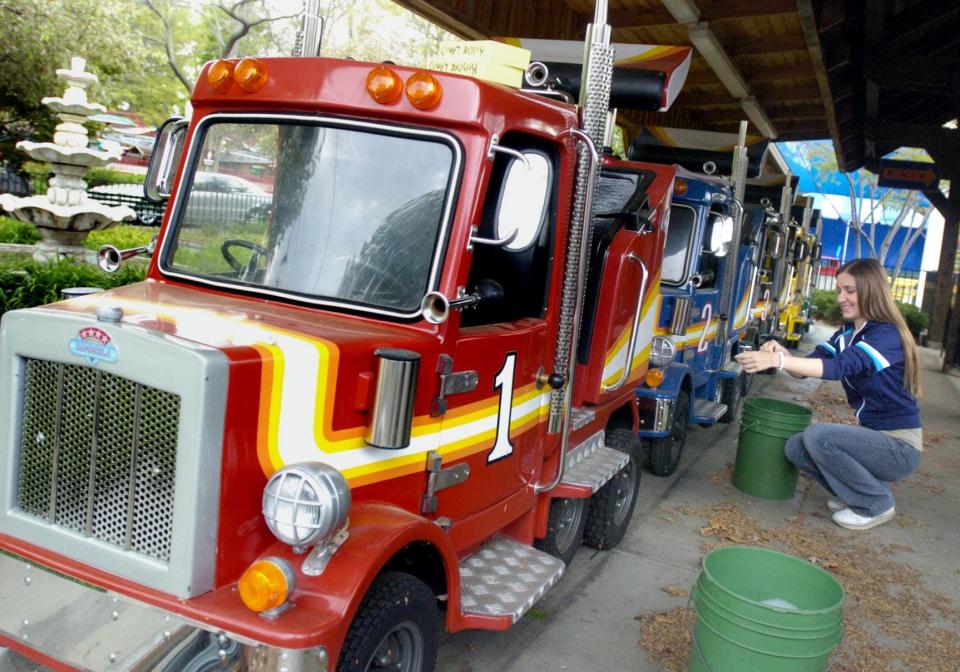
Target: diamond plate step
{"type": "Point", "coordinates": [708, 410]}
{"type": "Point", "coordinates": [580, 416]}
{"type": "Point", "coordinates": [593, 464]}
{"type": "Point", "coordinates": [506, 578]}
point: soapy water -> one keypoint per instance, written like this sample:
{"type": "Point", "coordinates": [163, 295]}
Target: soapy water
{"type": "Point", "coordinates": [779, 603]}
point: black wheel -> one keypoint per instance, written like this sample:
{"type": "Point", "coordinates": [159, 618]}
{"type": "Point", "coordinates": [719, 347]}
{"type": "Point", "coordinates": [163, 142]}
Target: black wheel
{"type": "Point", "coordinates": [396, 628]}
{"type": "Point", "coordinates": [731, 396]}
{"type": "Point", "coordinates": [148, 218]}
{"type": "Point", "coordinates": [665, 451]}
{"type": "Point", "coordinates": [611, 507]}
{"type": "Point", "coordinates": [565, 526]}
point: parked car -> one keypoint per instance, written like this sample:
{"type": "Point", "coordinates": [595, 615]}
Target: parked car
{"type": "Point", "coordinates": [148, 214]}
{"type": "Point", "coordinates": [218, 198]}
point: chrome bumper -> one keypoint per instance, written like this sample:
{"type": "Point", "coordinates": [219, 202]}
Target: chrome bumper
{"type": "Point", "coordinates": [92, 629]}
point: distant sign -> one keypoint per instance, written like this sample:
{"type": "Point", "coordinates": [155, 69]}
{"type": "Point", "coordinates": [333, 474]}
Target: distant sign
{"type": "Point", "coordinates": [909, 175]}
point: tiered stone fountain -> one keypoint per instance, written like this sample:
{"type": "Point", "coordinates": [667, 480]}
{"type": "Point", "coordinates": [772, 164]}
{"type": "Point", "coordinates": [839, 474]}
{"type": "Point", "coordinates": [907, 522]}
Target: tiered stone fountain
{"type": "Point", "coordinates": [65, 214]}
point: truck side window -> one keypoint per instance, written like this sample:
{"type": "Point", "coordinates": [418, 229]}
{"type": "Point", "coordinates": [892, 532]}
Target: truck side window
{"type": "Point", "coordinates": [522, 198]}
{"type": "Point", "coordinates": [676, 253]}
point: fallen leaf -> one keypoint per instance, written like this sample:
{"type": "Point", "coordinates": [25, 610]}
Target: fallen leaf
{"type": "Point", "coordinates": [676, 591]}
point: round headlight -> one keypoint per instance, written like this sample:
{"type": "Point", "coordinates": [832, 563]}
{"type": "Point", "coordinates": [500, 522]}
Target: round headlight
{"type": "Point", "coordinates": [662, 351]}
{"type": "Point", "coordinates": [306, 503]}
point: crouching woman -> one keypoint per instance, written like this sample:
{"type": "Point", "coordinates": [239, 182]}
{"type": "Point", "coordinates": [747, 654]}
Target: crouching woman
{"type": "Point", "coordinates": [877, 362]}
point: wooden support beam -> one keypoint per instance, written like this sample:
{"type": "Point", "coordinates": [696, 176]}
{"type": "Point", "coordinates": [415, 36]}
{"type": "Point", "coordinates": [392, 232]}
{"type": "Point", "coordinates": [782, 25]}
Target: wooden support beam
{"type": "Point", "coordinates": [943, 295]}
{"type": "Point", "coordinates": [811, 37]}
{"type": "Point", "coordinates": [914, 73]}
{"type": "Point", "coordinates": [718, 10]}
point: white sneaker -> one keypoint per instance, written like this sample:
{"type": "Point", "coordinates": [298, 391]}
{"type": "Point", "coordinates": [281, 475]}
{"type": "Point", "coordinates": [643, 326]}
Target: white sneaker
{"type": "Point", "coordinates": [854, 521]}
{"type": "Point", "coordinates": [835, 504]}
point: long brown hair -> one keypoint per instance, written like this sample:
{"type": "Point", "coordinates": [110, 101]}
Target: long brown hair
{"type": "Point", "coordinates": [876, 305]}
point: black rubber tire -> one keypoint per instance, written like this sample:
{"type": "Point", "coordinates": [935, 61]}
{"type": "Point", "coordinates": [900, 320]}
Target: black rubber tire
{"type": "Point", "coordinates": [732, 397]}
{"type": "Point", "coordinates": [664, 453]}
{"type": "Point", "coordinates": [611, 507]}
{"type": "Point", "coordinates": [397, 627]}
{"type": "Point", "coordinates": [568, 517]}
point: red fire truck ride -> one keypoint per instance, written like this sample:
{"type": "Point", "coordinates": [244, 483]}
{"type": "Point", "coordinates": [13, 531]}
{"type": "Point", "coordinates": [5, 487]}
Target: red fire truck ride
{"type": "Point", "coordinates": [395, 401]}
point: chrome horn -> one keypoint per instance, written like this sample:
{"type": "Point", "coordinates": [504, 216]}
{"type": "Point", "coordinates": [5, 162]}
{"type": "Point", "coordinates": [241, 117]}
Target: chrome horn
{"type": "Point", "coordinates": [109, 258]}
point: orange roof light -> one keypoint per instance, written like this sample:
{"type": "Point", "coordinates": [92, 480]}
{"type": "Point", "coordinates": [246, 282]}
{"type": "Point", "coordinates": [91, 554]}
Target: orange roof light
{"type": "Point", "coordinates": [423, 90]}
{"type": "Point", "coordinates": [220, 75]}
{"type": "Point", "coordinates": [654, 378]}
{"type": "Point", "coordinates": [266, 584]}
{"type": "Point", "coordinates": [680, 187]}
{"type": "Point", "coordinates": [250, 74]}
{"type": "Point", "coordinates": [384, 85]}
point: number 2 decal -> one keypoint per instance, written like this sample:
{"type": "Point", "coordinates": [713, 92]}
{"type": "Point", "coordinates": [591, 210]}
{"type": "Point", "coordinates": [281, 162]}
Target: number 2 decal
{"type": "Point", "coordinates": [707, 313]}
{"type": "Point", "coordinates": [503, 382]}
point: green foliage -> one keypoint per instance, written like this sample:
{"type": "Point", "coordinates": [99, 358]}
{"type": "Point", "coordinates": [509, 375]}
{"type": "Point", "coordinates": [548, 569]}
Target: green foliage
{"type": "Point", "coordinates": [916, 321]}
{"type": "Point", "coordinates": [13, 231]}
{"type": "Point", "coordinates": [39, 36]}
{"type": "Point", "coordinates": [24, 284]}
{"type": "Point", "coordinates": [122, 237]}
{"type": "Point", "coordinates": [97, 176]}
{"type": "Point", "coordinates": [826, 307]}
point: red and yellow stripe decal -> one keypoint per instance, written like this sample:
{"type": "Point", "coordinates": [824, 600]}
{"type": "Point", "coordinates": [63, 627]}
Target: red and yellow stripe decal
{"type": "Point", "coordinates": [303, 370]}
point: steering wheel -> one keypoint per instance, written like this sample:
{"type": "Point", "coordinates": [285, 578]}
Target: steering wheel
{"type": "Point", "coordinates": [251, 266]}
{"type": "Point", "coordinates": [366, 282]}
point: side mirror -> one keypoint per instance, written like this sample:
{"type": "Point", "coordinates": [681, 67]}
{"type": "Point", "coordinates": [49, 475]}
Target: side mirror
{"type": "Point", "coordinates": [816, 252]}
{"type": "Point", "coordinates": [167, 149]}
{"type": "Point", "coordinates": [523, 201]}
{"type": "Point", "coordinates": [719, 234]}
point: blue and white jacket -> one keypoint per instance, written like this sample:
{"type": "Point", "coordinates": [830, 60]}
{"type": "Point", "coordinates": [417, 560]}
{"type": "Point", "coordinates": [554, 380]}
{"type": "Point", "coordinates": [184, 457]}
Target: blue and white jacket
{"type": "Point", "coordinates": [870, 366]}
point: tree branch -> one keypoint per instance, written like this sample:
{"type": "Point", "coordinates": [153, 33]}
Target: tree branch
{"type": "Point", "coordinates": [168, 44]}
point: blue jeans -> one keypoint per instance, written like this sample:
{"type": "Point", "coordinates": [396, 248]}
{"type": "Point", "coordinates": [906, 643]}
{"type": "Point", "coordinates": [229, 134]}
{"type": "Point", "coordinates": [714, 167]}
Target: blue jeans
{"type": "Point", "coordinates": [853, 463]}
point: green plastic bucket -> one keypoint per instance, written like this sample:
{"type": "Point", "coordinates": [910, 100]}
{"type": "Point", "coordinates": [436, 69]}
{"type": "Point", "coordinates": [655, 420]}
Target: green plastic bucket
{"type": "Point", "coordinates": [759, 611]}
{"type": "Point", "coordinates": [762, 469]}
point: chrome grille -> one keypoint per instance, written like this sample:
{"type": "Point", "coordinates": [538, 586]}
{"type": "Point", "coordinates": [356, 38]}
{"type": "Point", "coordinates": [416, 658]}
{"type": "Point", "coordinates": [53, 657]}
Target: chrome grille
{"type": "Point", "coordinates": [98, 455]}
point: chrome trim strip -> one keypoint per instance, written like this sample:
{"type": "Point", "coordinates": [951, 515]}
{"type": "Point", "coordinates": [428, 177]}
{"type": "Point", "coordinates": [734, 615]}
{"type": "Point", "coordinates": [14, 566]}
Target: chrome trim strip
{"type": "Point", "coordinates": [663, 415]}
{"type": "Point", "coordinates": [55, 462]}
{"type": "Point", "coordinates": [94, 448]}
{"type": "Point", "coordinates": [329, 121]}
{"type": "Point", "coordinates": [134, 450]}
{"type": "Point", "coordinates": [628, 364]}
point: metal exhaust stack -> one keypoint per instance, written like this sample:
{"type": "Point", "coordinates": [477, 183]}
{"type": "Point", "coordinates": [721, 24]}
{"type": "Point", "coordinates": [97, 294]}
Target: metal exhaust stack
{"type": "Point", "coordinates": [594, 111]}
{"type": "Point", "coordinates": [727, 294]}
{"type": "Point", "coordinates": [786, 199]}
{"type": "Point", "coordinates": [311, 31]}
{"type": "Point", "coordinates": [392, 418]}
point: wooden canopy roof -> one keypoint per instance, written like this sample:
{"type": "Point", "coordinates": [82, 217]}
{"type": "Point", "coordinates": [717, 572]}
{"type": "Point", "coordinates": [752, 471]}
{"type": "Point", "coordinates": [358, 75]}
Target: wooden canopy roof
{"type": "Point", "coordinates": [762, 41]}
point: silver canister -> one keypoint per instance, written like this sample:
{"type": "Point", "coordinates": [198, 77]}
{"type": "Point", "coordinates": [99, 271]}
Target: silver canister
{"type": "Point", "coordinates": [392, 418]}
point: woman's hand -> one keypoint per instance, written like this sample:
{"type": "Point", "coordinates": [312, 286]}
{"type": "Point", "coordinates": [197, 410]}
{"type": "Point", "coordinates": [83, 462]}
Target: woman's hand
{"type": "Point", "coordinates": [754, 362]}
{"type": "Point", "coordinates": [773, 346]}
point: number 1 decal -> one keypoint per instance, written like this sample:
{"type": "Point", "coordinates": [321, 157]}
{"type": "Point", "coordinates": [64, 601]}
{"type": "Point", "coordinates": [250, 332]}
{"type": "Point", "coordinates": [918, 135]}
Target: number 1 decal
{"type": "Point", "coordinates": [503, 382]}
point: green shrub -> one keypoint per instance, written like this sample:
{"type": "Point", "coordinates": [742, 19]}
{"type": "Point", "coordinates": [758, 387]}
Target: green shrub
{"type": "Point", "coordinates": [24, 284]}
{"type": "Point", "coordinates": [15, 232]}
{"type": "Point", "coordinates": [826, 307]}
{"type": "Point", "coordinates": [916, 321]}
{"type": "Point", "coordinates": [121, 236]}
{"type": "Point", "coordinates": [97, 176]}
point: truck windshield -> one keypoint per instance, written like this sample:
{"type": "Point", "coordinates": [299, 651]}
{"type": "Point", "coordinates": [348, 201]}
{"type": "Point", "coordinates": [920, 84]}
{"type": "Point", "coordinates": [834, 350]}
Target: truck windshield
{"type": "Point", "coordinates": [343, 214]}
